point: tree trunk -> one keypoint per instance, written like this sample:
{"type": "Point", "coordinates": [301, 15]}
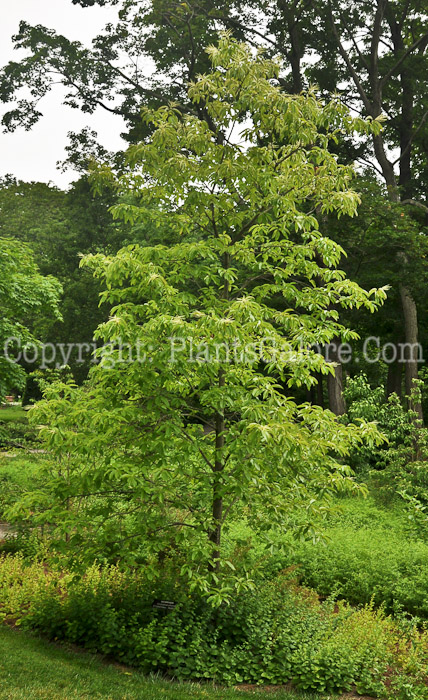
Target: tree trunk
{"type": "Point", "coordinates": [295, 54]}
{"type": "Point", "coordinates": [408, 305]}
{"type": "Point", "coordinates": [314, 395]}
{"type": "Point", "coordinates": [217, 505]}
{"type": "Point", "coordinates": [411, 347]}
{"type": "Point", "coordinates": [373, 103]}
{"type": "Point", "coordinates": [406, 132]}
{"type": "Point", "coordinates": [218, 469]}
{"type": "Point", "coordinates": [319, 391]}
{"type": "Point", "coordinates": [310, 395]}
{"type": "Point", "coordinates": [335, 381]}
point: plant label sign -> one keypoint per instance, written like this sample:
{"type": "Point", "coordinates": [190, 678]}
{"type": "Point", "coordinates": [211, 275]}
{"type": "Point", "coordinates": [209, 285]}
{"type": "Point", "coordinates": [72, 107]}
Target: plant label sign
{"type": "Point", "coordinates": [164, 604]}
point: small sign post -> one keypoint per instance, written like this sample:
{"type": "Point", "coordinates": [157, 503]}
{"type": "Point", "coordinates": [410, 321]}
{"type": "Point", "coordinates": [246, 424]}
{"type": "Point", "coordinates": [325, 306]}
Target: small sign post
{"type": "Point", "coordinates": [164, 604]}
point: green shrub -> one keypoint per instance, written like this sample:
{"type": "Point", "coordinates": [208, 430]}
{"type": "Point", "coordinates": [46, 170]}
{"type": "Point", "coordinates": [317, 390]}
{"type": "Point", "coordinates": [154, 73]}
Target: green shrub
{"type": "Point", "coordinates": [21, 584]}
{"type": "Point", "coordinates": [367, 556]}
{"type": "Point", "coordinates": [277, 635]}
{"type": "Point", "coordinates": [270, 637]}
{"type": "Point", "coordinates": [400, 466]}
{"type": "Point", "coordinates": [16, 434]}
{"type": "Point", "coordinates": [368, 403]}
{"type": "Point", "coordinates": [18, 474]}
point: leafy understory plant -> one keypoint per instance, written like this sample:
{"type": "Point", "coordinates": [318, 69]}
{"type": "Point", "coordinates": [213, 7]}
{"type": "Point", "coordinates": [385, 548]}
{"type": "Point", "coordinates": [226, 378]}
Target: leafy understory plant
{"type": "Point", "coordinates": [194, 422]}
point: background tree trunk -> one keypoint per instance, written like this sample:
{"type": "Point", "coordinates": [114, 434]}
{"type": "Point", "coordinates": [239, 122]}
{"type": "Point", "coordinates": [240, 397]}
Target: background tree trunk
{"type": "Point", "coordinates": [411, 353]}
{"type": "Point", "coordinates": [315, 395]}
{"type": "Point", "coordinates": [319, 391]}
{"type": "Point", "coordinates": [336, 401]}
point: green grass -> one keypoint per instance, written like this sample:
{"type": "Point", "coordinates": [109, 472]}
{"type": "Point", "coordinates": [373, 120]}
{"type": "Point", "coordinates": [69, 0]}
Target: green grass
{"type": "Point", "coordinates": [20, 468]}
{"type": "Point", "coordinates": [18, 472]}
{"type": "Point", "coordinates": [32, 669]}
{"type": "Point", "coordinates": [368, 550]}
{"type": "Point", "coordinates": [13, 413]}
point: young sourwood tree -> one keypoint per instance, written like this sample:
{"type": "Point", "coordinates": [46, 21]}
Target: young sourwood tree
{"type": "Point", "coordinates": [188, 421]}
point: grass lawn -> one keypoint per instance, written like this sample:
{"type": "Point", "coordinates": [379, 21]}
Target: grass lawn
{"type": "Point", "coordinates": [19, 472]}
{"type": "Point", "coordinates": [32, 669]}
{"type": "Point", "coordinates": [12, 413]}
{"type": "Point", "coordinates": [20, 468]}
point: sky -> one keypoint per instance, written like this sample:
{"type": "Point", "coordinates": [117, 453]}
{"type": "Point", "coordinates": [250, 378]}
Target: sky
{"type": "Point", "coordinates": [32, 155]}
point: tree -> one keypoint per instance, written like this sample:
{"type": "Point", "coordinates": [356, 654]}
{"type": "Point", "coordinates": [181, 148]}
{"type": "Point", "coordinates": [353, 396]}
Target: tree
{"type": "Point", "coordinates": [107, 75]}
{"type": "Point", "coordinates": [112, 74]}
{"type": "Point", "coordinates": [25, 297]}
{"type": "Point", "coordinates": [385, 67]}
{"type": "Point", "coordinates": [373, 242]}
{"type": "Point", "coordinates": [60, 227]}
{"type": "Point", "coordinates": [373, 54]}
{"type": "Point", "coordinates": [188, 419]}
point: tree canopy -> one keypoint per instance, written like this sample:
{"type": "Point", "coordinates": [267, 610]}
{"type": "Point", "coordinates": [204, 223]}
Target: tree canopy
{"type": "Point", "coordinates": [27, 298]}
{"type": "Point", "coordinates": [188, 418]}
{"type": "Point", "coordinates": [374, 57]}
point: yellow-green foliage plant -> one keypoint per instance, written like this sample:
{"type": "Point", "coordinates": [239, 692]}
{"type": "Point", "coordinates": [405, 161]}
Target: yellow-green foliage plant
{"type": "Point", "coordinates": [188, 419]}
{"type": "Point", "coordinates": [280, 634]}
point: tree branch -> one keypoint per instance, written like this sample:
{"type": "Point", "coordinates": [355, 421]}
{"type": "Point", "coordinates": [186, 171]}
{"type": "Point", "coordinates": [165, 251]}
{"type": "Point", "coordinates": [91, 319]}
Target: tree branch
{"type": "Point", "coordinates": [353, 72]}
{"type": "Point", "coordinates": [402, 58]}
{"type": "Point", "coordinates": [412, 138]}
{"type": "Point", "coordinates": [415, 203]}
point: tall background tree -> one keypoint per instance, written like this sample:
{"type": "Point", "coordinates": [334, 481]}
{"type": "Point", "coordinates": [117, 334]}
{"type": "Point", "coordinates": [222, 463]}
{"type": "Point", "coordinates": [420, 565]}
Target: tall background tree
{"type": "Point", "coordinates": [60, 227]}
{"type": "Point", "coordinates": [27, 300]}
{"type": "Point", "coordinates": [373, 54]}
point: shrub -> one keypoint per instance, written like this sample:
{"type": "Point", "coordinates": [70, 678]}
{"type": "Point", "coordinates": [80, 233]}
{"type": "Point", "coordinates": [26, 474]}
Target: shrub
{"type": "Point", "coordinates": [274, 636]}
{"type": "Point", "coordinates": [400, 467]}
{"type": "Point", "coordinates": [16, 434]}
{"type": "Point", "coordinates": [21, 583]}
{"type": "Point", "coordinates": [367, 403]}
{"type": "Point", "coordinates": [367, 555]}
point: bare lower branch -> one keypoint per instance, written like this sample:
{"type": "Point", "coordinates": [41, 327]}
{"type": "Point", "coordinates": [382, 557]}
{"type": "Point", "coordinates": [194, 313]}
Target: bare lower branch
{"type": "Point", "coordinates": [415, 203]}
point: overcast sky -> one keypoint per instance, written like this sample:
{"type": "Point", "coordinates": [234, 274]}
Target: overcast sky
{"type": "Point", "coordinates": [32, 155]}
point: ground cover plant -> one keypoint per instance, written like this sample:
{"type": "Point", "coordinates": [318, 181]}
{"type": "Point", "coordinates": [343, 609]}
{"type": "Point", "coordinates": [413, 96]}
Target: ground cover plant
{"type": "Point", "coordinates": [367, 552]}
{"type": "Point", "coordinates": [32, 669]}
{"type": "Point", "coordinates": [20, 472]}
{"type": "Point", "coordinates": [16, 435]}
{"type": "Point", "coordinates": [15, 431]}
{"type": "Point", "coordinates": [278, 635]}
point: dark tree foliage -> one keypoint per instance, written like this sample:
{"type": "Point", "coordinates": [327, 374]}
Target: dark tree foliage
{"type": "Point", "coordinates": [60, 227]}
{"type": "Point", "coordinates": [373, 53]}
